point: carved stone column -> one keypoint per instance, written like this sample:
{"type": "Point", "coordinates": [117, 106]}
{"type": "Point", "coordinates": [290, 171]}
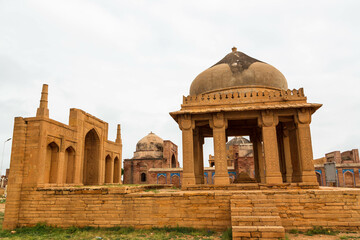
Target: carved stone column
{"type": "Point", "coordinates": [268, 124]}
{"type": "Point", "coordinates": [287, 155]}
{"type": "Point", "coordinates": [198, 157]}
{"type": "Point", "coordinates": [258, 157]}
{"type": "Point", "coordinates": [187, 126]}
{"type": "Point", "coordinates": [305, 148]}
{"type": "Point", "coordinates": [219, 125]}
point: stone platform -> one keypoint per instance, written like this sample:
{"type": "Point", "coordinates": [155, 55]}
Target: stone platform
{"type": "Point", "coordinates": [257, 214]}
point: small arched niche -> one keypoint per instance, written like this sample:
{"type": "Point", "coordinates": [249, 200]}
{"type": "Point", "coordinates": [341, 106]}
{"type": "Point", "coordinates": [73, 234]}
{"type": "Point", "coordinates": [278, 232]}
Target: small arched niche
{"type": "Point", "coordinates": [52, 157]}
{"type": "Point", "coordinates": [70, 165]}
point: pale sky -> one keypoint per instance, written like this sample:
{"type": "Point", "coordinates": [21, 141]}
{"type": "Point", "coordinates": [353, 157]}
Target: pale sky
{"type": "Point", "coordinates": [130, 62]}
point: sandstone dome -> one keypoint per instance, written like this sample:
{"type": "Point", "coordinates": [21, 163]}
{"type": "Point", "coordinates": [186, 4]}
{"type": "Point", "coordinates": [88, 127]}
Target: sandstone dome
{"type": "Point", "coordinates": [238, 71]}
{"type": "Point", "coordinates": [238, 141]}
{"type": "Point", "coordinates": [150, 146]}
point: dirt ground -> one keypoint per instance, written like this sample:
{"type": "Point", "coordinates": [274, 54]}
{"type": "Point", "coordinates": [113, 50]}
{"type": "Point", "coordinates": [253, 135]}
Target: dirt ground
{"type": "Point", "coordinates": [324, 237]}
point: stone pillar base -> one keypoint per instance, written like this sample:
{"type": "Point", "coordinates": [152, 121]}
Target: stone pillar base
{"type": "Point", "coordinates": [309, 177]}
{"type": "Point", "coordinates": [199, 180]}
{"type": "Point", "coordinates": [221, 180]}
{"type": "Point", "coordinates": [273, 179]}
{"type": "Point", "coordinates": [188, 181]}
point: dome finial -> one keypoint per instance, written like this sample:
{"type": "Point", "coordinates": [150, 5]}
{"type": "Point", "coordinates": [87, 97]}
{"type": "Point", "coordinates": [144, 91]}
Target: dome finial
{"type": "Point", "coordinates": [234, 49]}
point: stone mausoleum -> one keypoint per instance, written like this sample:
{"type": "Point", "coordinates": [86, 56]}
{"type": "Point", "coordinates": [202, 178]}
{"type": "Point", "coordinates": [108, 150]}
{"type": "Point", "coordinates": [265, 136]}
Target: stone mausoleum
{"type": "Point", "coordinates": [155, 162]}
{"type": "Point", "coordinates": [240, 96]}
{"type": "Point", "coordinates": [152, 153]}
{"type": "Point", "coordinates": [59, 173]}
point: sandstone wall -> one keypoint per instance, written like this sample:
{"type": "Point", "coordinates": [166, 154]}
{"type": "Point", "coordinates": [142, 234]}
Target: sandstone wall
{"type": "Point", "coordinates": [108, 207]}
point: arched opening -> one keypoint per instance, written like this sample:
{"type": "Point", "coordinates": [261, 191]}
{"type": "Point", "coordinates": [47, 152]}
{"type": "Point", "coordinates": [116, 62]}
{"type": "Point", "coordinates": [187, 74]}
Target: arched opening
{"type": "Point", "coordinates": [117, 170]}
{"type": "Point", "coordinates": [108, 170]}
{"type": "Point", "coordinates": [173, 161]}
{"type": "Point", "coordinates": [348, 179]}
{"type": "Point", "coordinates": [52, 157]}
{"type": "Point", "coordinates": [91, 158]}
{"type": "Point", "coordinates": [175, 180]}
{"type": "Point", "coordinates": [161, 179]}
{"type": "Point", "coordinates": [143, 177]}
{"type": "Point", "coordinates": [69, 165]}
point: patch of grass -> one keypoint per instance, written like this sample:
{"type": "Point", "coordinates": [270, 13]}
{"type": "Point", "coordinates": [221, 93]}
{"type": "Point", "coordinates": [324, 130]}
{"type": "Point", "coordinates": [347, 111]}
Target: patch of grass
{"type": "Point", "coordinates": [320, 230]}
{"type": "Point", "coordinates": [349, 237]}
{"type": "Point", "coordinates": [294, 231]}
{"type": "Point", "coordinates": [227, 235]}
{"type": "Point", "coordinates": [152, 190]}
{"type": "Point", "coordinates": [3, 200]}
{"type": "Point", "coordinates": [42, 231]}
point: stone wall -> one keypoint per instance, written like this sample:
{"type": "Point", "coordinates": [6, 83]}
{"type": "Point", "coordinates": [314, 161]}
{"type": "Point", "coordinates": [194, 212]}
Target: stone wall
{"type": "Point", "coordinates": [108, 207]}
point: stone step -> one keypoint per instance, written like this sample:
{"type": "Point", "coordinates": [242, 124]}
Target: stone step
{"type": "Point", "coordinates": [246, 211]}
{"type": "Point", "coordinates": [256, 221]}
{"type": "Point", "coordinates": [258, 232]}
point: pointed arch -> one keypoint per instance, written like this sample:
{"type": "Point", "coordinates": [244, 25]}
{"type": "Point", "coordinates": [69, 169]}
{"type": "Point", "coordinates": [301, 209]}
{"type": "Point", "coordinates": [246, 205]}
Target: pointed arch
{"type": "Point", "coordinates": [52, 159]}
{"type": "Point", "coordinates": [108, 169]}
{"type": "Point", "coordinates": [117, 170]}
{"type": "Point", "coordinates": [143, 177]}
{"type": "Point", "coordinates": [91, 163]}
{"type": "Point", "coordinates": [173, 161]}
{"type": "Point", "coordinates": [69, 165]}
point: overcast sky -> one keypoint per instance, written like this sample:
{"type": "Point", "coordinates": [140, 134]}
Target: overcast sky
{"type": "Point", "coordinates": [130, 62]}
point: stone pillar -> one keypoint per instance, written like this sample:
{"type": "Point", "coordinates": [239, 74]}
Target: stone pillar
{"type": "Point", "coordinates": [187, 126]}
{"type": "Point", "coordinates": [219, 125]}
{"type": "Point", "coordinates": [287, 155]}
{"type": "Point", "coordinates": [305, 148]}
{"type": "Point", "coordinates": [294, 152]}
{"type": "Point", "coordinates": [268, 124]}
{"type": "Point", "coordinates": [61, 174]}
{"type": "Point", "coordinates": [198, 157]}
{"type": "Point", "coordinates": [255, 138]}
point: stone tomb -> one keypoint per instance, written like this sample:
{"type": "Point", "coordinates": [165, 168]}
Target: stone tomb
{"type": "Point", "coordinates": [56, 169]}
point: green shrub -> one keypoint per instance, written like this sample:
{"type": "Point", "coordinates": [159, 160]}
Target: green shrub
{"type": "Point", "coordinates": [227, 235]}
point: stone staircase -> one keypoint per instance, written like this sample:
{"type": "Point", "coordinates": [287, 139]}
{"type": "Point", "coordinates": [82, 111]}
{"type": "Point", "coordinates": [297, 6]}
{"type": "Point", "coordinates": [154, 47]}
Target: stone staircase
{"type": "Point", "coordinates": [255, 217]}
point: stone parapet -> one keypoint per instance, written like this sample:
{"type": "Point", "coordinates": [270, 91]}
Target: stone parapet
{"type": "Point", "coordinates": [239, 97]}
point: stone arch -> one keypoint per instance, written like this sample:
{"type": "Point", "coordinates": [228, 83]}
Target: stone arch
{"type": "Point", "coordinates": [348, 179]}
{"type": "Point", "coordinates": [91, 158]}
{"type": "Point", "coordinates": [318, 178]}
{"type": "Point", "coordinates": [108, 169]}
{"type": "Point", "coordinates": [173, 161]}
{"type": "Point", "coordinates": [143, 177]}
{"type": "Point", "coordinates": [52, 158]}
{"type": "Point", "coordinates": [116, 170]}
{"type": "Point", "coordinates": [161, 179]}
{"type": "Point", "coordinates": [175, 180]}
{"type": "Point", "coordinates": [70, 165]}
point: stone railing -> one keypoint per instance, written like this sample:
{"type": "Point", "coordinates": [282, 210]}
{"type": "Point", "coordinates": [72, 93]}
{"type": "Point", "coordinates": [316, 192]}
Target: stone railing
{"type": "Point", "coordinates": [245, 97]}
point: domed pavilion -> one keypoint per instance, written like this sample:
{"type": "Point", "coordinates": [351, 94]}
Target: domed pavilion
{"type": "Point", "coordinates": [243, 96]}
